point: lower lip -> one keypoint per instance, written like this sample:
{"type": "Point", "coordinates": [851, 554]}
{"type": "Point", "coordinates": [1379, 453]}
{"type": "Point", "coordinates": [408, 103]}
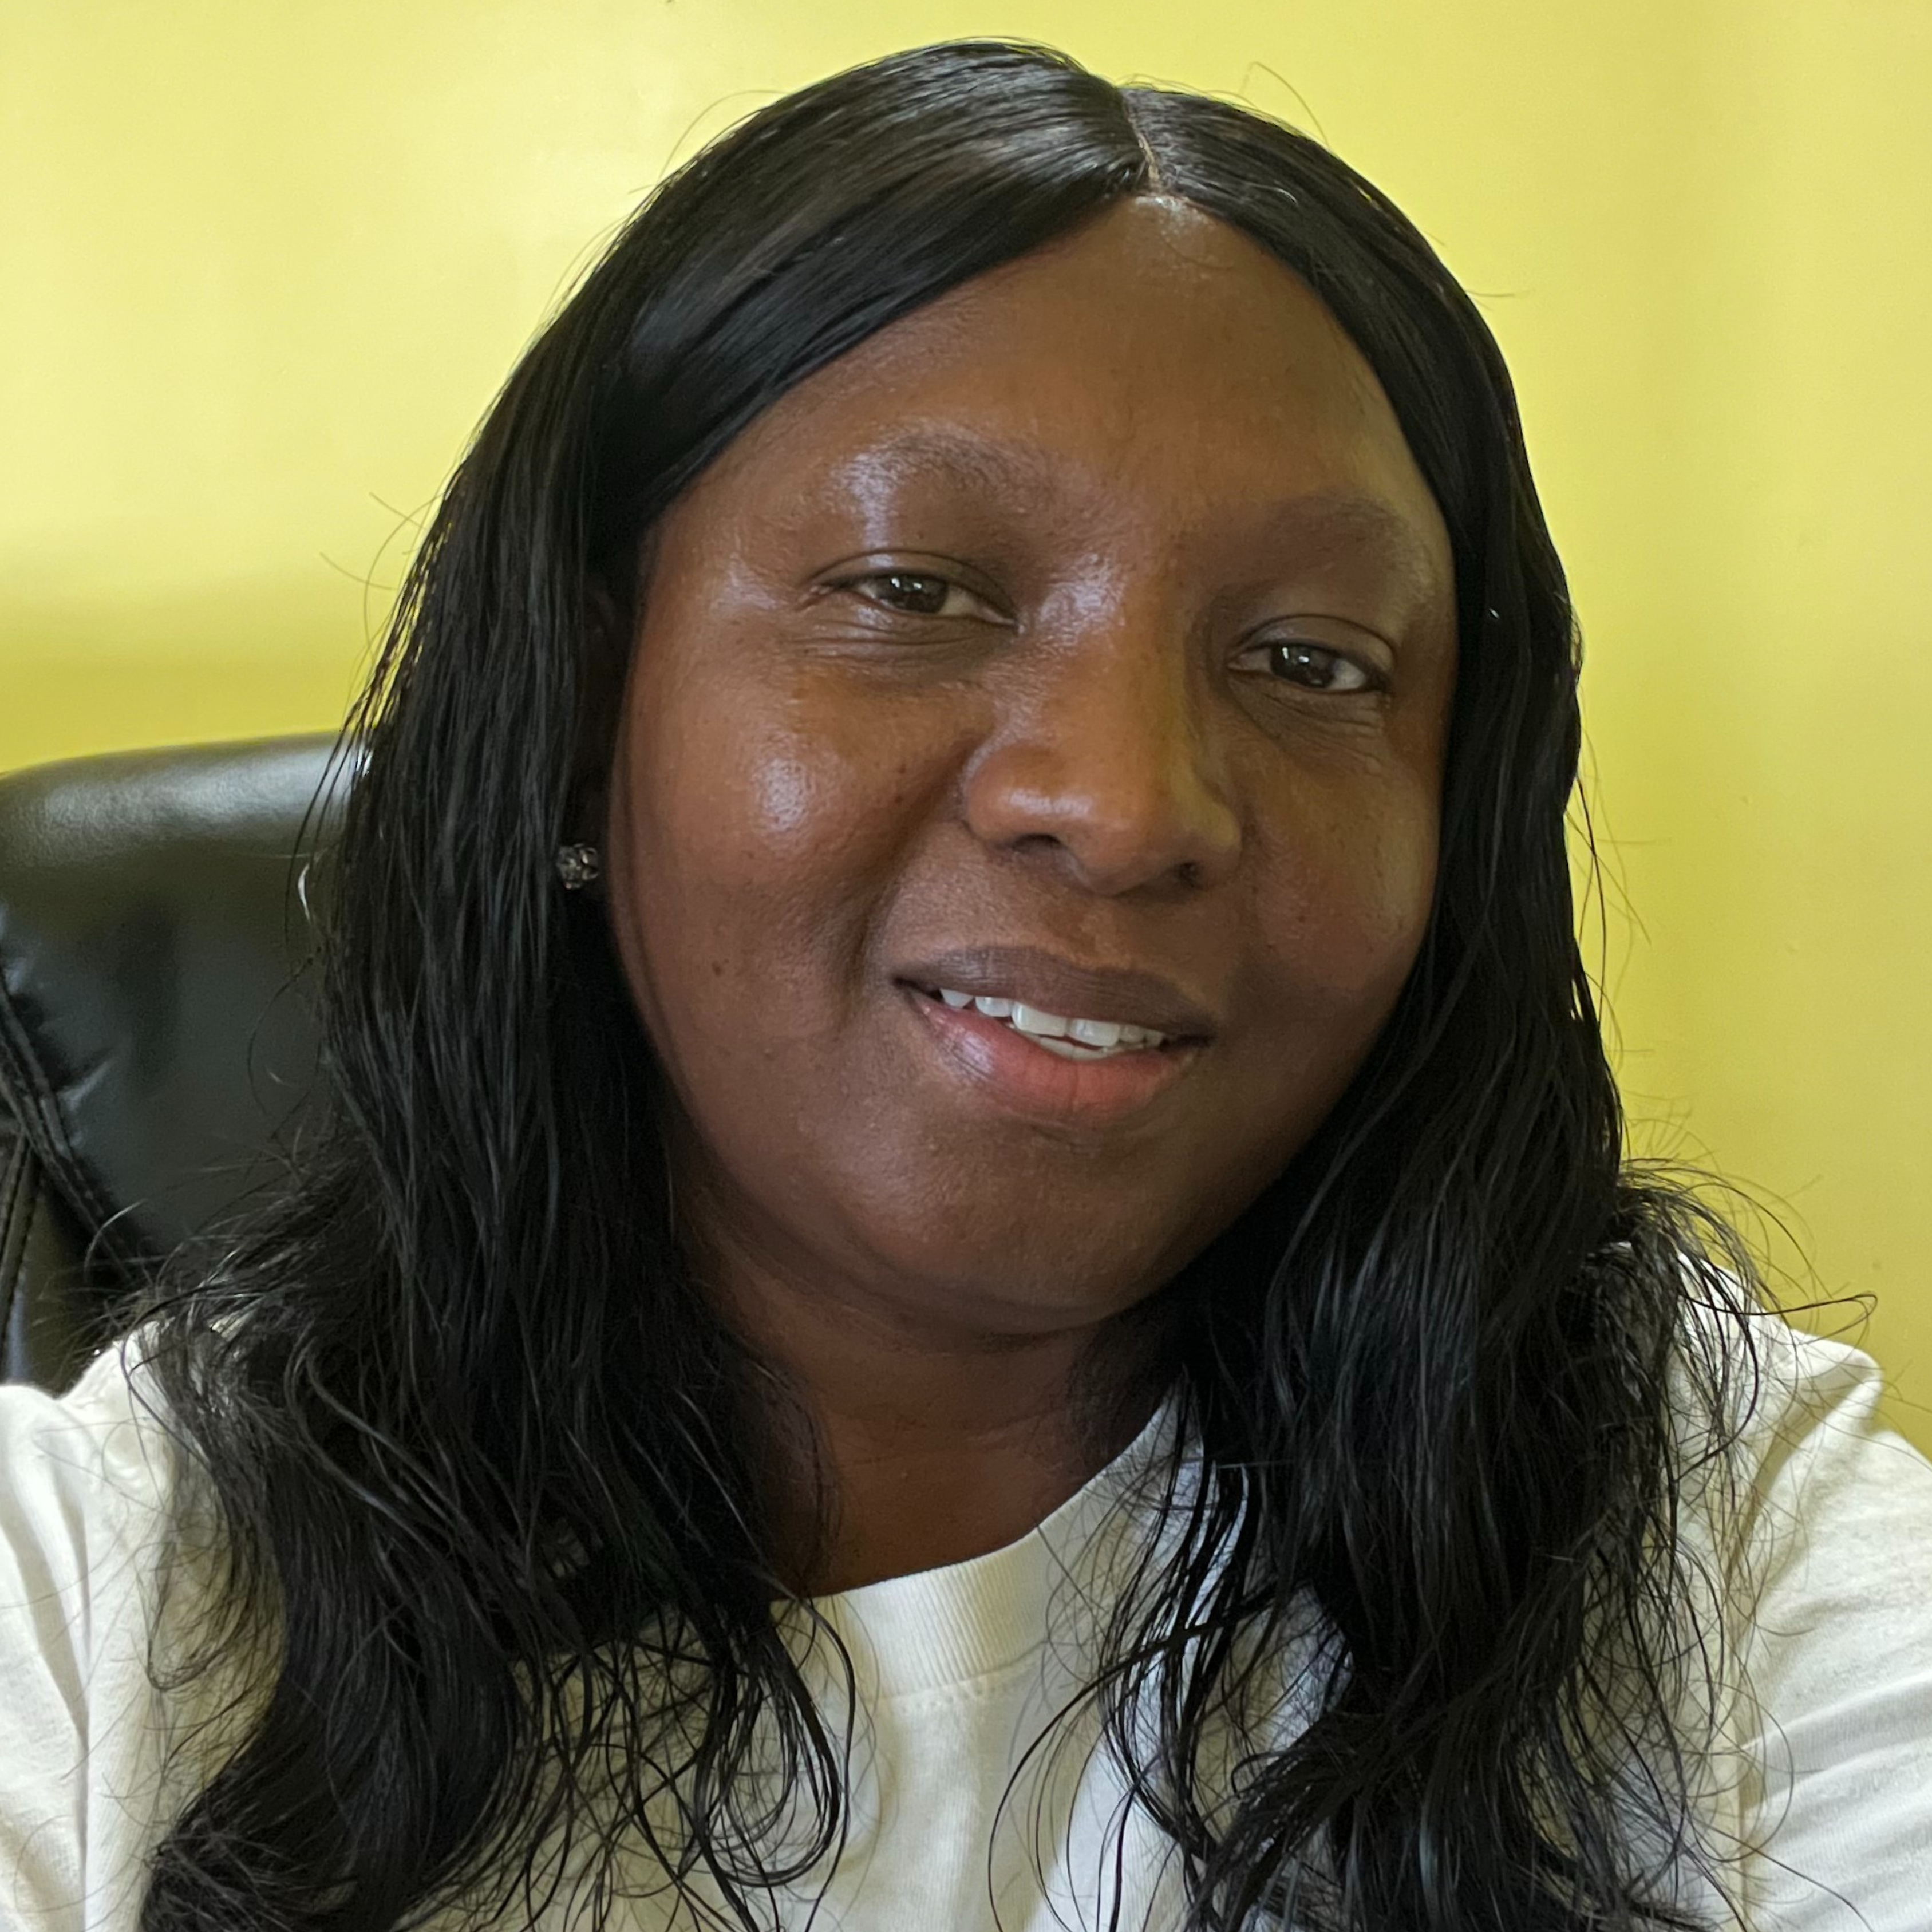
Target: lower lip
{"type": "Point", "coordinates": [1035, 1080]}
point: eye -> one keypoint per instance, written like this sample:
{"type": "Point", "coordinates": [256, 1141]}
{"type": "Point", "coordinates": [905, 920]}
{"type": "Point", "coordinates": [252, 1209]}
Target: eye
{"type": "Point", "coordinates": [1313, 667]}
{"type": "Point", "coordinates": [918, 593]}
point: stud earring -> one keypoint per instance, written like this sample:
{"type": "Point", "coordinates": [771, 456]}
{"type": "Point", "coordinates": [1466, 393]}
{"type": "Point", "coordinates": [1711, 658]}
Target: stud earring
{"type": "Point", "coordinates": [576, 865]}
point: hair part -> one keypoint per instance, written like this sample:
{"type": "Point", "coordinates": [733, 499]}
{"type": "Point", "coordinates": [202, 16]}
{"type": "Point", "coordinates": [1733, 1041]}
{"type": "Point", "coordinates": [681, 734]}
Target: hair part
{"type": "Point", "coordinates": [479, 1444]}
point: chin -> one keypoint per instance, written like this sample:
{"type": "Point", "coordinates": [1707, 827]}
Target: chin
{"type": "Point", "coordinates": [1026, 1276]}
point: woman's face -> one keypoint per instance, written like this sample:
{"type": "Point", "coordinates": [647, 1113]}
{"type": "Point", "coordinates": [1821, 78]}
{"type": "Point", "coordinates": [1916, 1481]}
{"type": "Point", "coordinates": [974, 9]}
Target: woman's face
{"type": "Point", "coordinates": [1083, 641]}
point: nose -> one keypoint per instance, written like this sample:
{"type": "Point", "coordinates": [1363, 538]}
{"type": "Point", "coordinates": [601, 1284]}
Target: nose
{"type": "Point", "coordinates": [1100, 754]}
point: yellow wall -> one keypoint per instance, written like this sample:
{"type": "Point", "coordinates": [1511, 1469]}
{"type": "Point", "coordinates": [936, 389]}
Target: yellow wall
{"type": "Point", "coordinates": [261, 268]}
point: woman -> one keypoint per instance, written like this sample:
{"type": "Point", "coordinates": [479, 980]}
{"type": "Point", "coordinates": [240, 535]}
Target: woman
{"type": "Point", "coordinates": [973, 1264]}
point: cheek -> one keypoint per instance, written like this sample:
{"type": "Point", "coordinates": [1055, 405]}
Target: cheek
{"type": "Point", "coordinates": [784, 795]}
{"type": "Point", "coordinates": [726, 792]}
{"type": "Point", "coordinates": [1342, 899]}
{"type": "Point", "coordinates": [758, 835]}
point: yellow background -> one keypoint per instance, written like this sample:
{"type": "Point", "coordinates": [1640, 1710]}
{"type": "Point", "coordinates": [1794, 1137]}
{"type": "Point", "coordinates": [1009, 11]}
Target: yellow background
{"type": "Point", "coordinates": [262, 266]}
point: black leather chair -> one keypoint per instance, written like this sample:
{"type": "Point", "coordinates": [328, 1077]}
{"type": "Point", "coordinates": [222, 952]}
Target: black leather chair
{"type": "Point", "coordinates": [156, 1036]}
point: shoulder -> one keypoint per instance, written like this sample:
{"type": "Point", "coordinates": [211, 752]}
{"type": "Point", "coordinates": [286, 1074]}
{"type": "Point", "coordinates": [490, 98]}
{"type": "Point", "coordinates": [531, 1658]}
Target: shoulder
{"type": "Point", "coordinates": [1816, 1513]}
{"type": "Point", "coordinates": [1824, 1540]}
{"type": "Point", "coordinates": [1811, 1457]}
{"type": "Point", "coordinates": [87, 1481]}
{"type": "Point", "coordinates": [1840, 1508]}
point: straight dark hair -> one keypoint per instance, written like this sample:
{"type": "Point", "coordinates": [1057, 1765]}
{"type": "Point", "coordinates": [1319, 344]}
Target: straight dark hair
{"type": "Point", "coordinates": [478, 1445]}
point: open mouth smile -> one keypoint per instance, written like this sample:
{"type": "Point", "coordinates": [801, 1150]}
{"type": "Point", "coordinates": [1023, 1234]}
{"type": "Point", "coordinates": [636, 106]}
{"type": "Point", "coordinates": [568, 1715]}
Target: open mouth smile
{"type": "Point", "coordinates": [1062, 1069]}
{"type": "Point", "coordinates": [1072, 1039]}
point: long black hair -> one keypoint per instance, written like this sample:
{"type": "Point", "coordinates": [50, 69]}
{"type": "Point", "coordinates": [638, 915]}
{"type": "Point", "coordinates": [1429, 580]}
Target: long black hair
{"type": "Point", "coordinates": [478, 1446]}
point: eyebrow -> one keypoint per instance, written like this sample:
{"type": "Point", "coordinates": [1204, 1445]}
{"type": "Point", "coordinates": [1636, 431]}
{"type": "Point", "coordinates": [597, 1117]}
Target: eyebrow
{"type": "Point", "coordinates": [995, 467]}
{"type": "Point", "coordinates": [1340, 519]}
{"type": "Point", "coordinates": [1349, 519]}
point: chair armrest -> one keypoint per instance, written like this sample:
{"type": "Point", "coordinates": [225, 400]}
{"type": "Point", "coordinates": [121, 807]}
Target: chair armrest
{"type": "Point", "coordinates": [52, 1318]}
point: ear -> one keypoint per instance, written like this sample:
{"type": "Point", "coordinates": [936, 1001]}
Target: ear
{"type": "Point", "coordinates": [603, 665]}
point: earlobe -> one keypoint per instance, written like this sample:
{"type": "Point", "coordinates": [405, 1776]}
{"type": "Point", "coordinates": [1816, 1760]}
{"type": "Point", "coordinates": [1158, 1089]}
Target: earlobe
{"type": "Point", "coordinates": [602, 662]}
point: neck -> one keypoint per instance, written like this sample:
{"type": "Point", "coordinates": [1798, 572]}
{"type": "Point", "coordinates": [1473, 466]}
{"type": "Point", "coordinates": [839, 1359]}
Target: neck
{"type": "Point", "coordinates": [932, 1455]}
{"type": "Point", "coordinates": [901, 1442]}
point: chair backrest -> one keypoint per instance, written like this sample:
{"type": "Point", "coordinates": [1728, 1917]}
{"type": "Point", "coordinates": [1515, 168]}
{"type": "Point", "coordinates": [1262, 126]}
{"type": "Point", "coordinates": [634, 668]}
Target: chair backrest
{"type": "Point", "coordinates": [156, 1038]}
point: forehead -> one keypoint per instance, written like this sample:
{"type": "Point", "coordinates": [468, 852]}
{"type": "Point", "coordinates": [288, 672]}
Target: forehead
{"type": "Point", "coordinates": [1155, 363]}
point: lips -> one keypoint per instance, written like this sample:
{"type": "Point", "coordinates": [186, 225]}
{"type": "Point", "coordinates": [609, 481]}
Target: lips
{"type": "Point", "coordinates": [1026, 1077]}
{"type": "Point", "coordinates": [987, 1062]}
{"type": "Point", "coordinates": [1029, 975]}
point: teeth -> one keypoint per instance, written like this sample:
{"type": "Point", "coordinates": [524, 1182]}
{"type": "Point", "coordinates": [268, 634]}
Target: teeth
{"type": "Point", "coordinates": [1094, 1033]}
{"type": "Point", "coordinates": [1042, 1026]}
{"type": "Point", "coordinates": [1071, 1039]}
{"type": "Point", "coordinates": [1066, 1049]}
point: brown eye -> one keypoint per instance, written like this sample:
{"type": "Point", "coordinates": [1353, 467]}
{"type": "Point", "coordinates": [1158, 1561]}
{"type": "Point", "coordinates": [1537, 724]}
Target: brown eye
{"type": "Point", "coordinates": [1313, 667]}
{"type": "Point", "coordinates": [920, 593]}
{"type": "Point", "coordinates": [911, 591]}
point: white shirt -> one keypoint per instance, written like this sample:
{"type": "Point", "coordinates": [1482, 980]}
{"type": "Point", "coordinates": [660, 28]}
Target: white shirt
{"type": "Point", "coordinates": [958, 1668]}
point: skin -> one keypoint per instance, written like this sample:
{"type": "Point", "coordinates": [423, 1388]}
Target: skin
{"type": "Point", "coordinates": [969, 640]}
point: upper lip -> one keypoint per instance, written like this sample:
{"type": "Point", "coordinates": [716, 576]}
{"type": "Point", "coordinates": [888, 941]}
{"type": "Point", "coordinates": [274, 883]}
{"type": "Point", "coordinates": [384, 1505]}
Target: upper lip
{"type": "Point", "coordinates": [1123, 995]}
